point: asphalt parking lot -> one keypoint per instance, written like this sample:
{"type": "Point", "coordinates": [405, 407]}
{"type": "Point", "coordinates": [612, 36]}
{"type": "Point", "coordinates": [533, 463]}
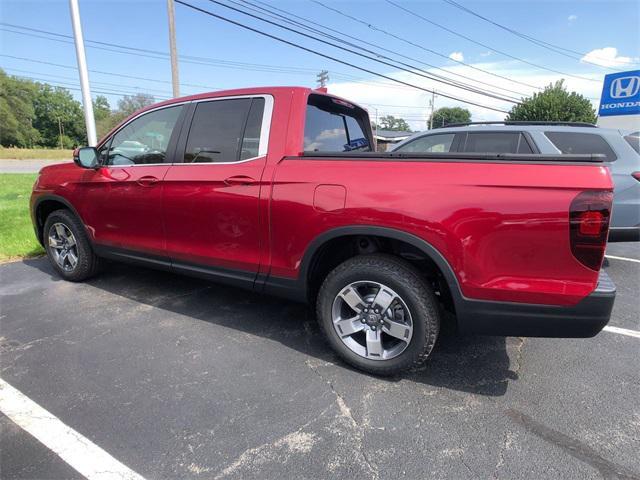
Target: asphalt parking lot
{"type": "Point", "coordinates": [180, 378]}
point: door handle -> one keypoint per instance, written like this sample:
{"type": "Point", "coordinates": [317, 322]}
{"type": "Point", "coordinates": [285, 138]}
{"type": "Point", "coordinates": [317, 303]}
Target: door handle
{"type": "Point", "coordinates": [239, 180]}
{"type": "Point", "coordinates": [147, 181]}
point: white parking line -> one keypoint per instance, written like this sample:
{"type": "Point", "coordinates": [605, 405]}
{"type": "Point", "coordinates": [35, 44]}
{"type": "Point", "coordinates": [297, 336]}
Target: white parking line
{"type": "Point", "coordinates": [623, 258]}
{"type": "Point", "coordinates": [622, 331]}
{"type": "Point", "coordinates": [79, 452]}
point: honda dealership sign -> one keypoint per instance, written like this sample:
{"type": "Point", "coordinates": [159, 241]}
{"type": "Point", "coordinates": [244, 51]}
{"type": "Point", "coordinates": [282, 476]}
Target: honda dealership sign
{"type": "Point", "coordinates": [620, 94]}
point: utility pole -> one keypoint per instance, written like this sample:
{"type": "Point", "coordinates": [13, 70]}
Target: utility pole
{"type": "Point", "coordinates": [432, 103]}
{"type": "Point", "coordinates": [61, 132]}
{"type": "Point", "coordinates": [89, 120]}
{"type": "Point", "coordinates": [175, 81]}
{"type": "Point", "coordinates": [375, 140]}
{"type": "Point", "coordinates": [323, 78]}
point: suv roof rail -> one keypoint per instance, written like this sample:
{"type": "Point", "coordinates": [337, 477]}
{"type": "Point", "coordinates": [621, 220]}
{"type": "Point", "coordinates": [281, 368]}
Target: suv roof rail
{"type": "Point", "coordinates": [518, 122]}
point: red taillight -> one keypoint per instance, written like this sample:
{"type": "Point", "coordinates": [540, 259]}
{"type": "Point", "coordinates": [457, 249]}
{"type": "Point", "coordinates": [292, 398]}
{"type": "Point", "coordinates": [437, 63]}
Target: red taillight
{"type": "Point", "coordinates": [591, 223]}
{"type": "Point", "coordinates": [636, 175]}
{"type": "Point", "coordinates": [589, 226]}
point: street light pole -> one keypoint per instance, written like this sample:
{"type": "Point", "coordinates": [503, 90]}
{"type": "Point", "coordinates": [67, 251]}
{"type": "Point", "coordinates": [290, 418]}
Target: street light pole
{"type": "Point", "coordinates": [175, 81]}
{"type": "Point", "coordinates": [89, 120]}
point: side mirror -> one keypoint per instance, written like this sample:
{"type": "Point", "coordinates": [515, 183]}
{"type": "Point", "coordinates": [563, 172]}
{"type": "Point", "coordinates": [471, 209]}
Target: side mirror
{"type": "Point", "coordinates": [86, 157]}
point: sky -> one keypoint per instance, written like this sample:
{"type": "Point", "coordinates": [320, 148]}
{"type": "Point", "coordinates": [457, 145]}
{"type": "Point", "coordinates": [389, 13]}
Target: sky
{"type": "Point", "coordinates": [595, 37]}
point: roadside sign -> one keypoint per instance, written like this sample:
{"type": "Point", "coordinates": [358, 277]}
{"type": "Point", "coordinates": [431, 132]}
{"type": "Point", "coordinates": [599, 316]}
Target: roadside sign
{"type": "Point", "coordinates": [620, 94]}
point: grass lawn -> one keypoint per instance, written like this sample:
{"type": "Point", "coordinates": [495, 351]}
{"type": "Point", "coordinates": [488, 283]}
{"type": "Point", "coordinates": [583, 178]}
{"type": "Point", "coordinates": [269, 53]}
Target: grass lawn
{"type": "Point", "coordinates": [16, 233]}
{"type": "Point", "coordinates": [35, 153]}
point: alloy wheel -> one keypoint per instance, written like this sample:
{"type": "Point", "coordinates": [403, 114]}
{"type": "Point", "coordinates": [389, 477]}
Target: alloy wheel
{"type": "Point", "coordinates": [372, 320]}
{"type": "Point", "coordinates": [63, 247]}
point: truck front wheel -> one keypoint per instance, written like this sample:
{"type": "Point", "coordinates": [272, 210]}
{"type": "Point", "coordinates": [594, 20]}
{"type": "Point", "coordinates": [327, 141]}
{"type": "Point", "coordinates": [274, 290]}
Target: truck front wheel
{"type": "Point", "coordinates": [378, 314]}
{"type": "Point", "coordinates": [68, 247]}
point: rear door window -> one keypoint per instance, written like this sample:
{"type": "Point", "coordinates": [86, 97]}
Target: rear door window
{"type": "Point", "coordinates": [496, 142]}
{"type": "Point", "coordinates": [225, 131]}
{"type": "Point", "coordinates": [440, 143]}
{"type": "Point", "coordinates": [581, 143]}
{"type": "Point", "coordinates": [332, 125]}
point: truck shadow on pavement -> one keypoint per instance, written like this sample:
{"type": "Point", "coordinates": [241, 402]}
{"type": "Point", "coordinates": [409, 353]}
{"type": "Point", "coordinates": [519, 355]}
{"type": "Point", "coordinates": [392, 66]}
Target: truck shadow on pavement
{"type": "Point", "coordinates": [474, 364]}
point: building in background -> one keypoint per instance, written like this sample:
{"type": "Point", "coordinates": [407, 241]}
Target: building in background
{"type": "Point", "coordinates": [620, 101]}
{"type": "Point", "coordinates": [387, 138]}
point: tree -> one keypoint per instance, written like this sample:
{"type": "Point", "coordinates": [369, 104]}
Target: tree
{"type": "Point", "coordinates": [447, 115]}
{"type": "Point", "coordinates": [56, 109]}
{"type": "Point", "coordinates": [389, 122]}
{"type": "Point", "coordinates": [131, 103]}
{"type": "Point", "coordinates": [38, 114]}
{"type": "Point", "coordinates": [16, 112]}
{"type": "Point", "coordinates": [101, 108]}
{"type": "Point", "coordinates": [554, 103]}
{"type": "Point", "coordinates": [105, 118]}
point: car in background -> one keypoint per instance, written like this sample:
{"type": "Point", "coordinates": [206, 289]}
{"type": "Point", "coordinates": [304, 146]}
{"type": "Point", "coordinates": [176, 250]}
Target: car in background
{"type": "Point", "coordinates": [620, 149]}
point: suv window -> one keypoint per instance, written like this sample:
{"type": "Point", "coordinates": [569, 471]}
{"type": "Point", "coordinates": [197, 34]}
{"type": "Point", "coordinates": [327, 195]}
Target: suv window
{"type": "Point", "coordinates": [332, 125]}
{"type": "Point", "coordinates": [429, 143]}
{"type": "Point", "coordinates": [496, 142]}
{"type": "Point", "coordinates": [577, 143]}
{"type": "Point", "coordinates": [144, 140]}
{"type": "Point", "coordinates": [225, 131]}
{"type": "Point", "coordinates": [634, 142]}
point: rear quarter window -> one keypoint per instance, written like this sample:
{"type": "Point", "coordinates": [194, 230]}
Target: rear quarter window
{"type": "Point", "coordinates": [581, 143]}
{"type": "Point", "coordinates": [634, 142]}
{"type": "Point", "coordinates": [335, 126]}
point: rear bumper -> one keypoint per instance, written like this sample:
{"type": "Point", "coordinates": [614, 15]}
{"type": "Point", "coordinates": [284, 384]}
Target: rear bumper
{"type": "Point", "coordinates": [624, 234]}
{"type": "Point", "coordinates": [583, 320]}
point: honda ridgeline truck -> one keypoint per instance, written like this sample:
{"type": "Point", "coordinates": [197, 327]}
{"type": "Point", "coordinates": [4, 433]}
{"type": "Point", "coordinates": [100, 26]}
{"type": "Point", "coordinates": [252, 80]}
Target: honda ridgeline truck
{"type": "Point", "coordinates": [279, 190]}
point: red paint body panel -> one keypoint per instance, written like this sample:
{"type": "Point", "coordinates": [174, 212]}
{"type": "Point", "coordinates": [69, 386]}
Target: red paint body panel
{"type": "Point", "coordinates": [209, 222]}
{"type": "Point", "coordinates": [502, 227]}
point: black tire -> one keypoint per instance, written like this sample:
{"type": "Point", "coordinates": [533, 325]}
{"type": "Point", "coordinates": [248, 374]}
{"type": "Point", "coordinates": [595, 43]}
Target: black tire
{"type": "Point", "coordinates": [88, 263]}
{"type": "Point", "coordinates": [404, 279]}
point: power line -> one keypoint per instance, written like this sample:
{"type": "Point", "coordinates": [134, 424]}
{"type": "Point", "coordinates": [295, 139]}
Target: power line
{"type": "Point", "coordinates": [329, 57]}
{"type": "Point", "coordinates": [269, 9]}
{"type": "Point", "coordinates": [159, 55]}
{"type": "Point", "coordinates": [165, 91]}
{"type": "Point", "coordinates": [346, 77]}
{"type": "Point", "coordinates": [75, 86]}
{"type": "Point", "coordinates": [120, 75]}
{"type": "Point", "coordinates": [549, 46]}
{"type": "Point", "coordinates": [205, 61]}
{"type": "Point", "coordinates": [411, 12]}
{"type": "Point", "coordinates": [409, 42]}
{"type": "Point", "coordinates": [369, 57]}
{"type": "Point", "coordinates": [107, 84]}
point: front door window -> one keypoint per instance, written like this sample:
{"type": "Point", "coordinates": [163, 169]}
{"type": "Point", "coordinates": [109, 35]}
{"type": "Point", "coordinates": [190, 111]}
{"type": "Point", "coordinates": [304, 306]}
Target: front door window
{"type": "Point", "coordinates": [144, 141]}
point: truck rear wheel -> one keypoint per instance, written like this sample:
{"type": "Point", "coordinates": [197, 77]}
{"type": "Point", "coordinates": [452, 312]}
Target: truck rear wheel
{"type": "Point", "coordinates": [378, 314]}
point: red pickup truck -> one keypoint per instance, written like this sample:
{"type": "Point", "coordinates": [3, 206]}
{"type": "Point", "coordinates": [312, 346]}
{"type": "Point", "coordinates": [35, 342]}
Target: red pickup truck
{"type": "Point", "coordinates": [279, 190]}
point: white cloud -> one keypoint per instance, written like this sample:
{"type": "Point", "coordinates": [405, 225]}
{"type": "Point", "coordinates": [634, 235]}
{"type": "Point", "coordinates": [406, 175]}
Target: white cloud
{"type": "Point", "coordinates": [572, 18]}
{"type": "Point", "coordinates": [486, 54]}
{"type": "Point", "coordinates": [457, 56]}
{"type": "Point", "coordinates": [607, 57]}
{"type": "Point", "coordinates": [377, 94]}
